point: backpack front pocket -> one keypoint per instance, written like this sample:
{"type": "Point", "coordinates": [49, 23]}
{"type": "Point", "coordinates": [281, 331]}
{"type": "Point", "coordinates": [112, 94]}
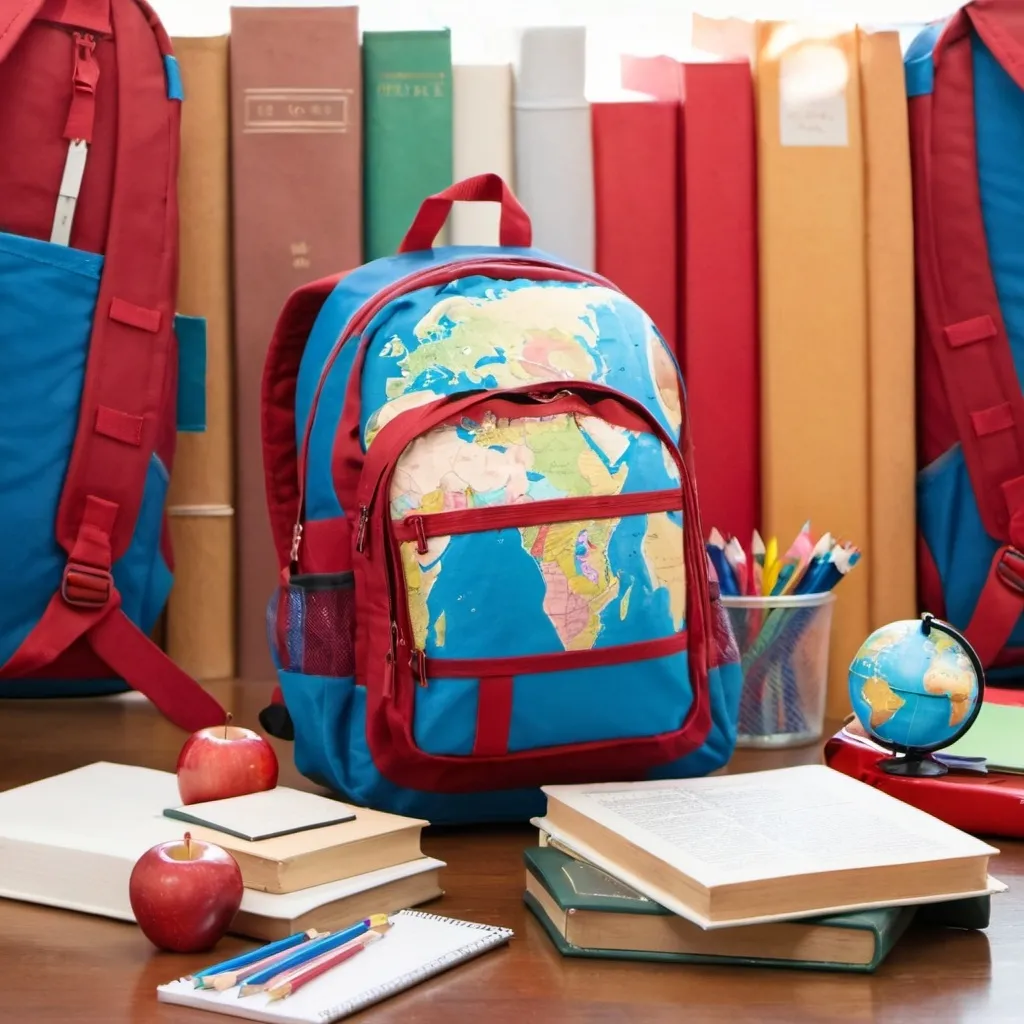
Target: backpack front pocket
{"type": "Point", "coordinates": [536, 557]}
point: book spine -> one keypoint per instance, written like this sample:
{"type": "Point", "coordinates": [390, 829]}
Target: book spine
{"type": "Point", "coordinates": [199, 630]}
{"type": "Point", "coordinates": [407, 82]}
{"type": "Point", "coordinates": [554, 142]}
{"type": "Point", "coordinates": [296, 98]}
{"type": "Point", "coordinates": [482, 142]}
{"type": "Point", "coordinates": [635, 178]}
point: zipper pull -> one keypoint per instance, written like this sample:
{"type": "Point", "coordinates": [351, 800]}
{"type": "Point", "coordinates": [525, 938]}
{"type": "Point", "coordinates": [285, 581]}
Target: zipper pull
{"type": "Point", "coordinates": [421, 534]}
{"type": "Point", "coordinates": [388, 688]}
{"type": "Point", "coordinates": [420, 659]}
{"type": "Point", "coordinates": [296, 543]}
{"type": "Point", "coordinates": [364, 518]}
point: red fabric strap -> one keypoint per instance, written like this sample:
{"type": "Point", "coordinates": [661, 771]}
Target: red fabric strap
{"type": "Point", "coordinates": [514, 228]}
{"type": "Point", "coordinates": [999, 607]}
{"type": "Point", "coordinates": [82, 112]}
{"type": "Point", "coordinates": [15, 17]}
{"type": "Point", "coordinates": [121, 426]}
{"type": "Point", "coordinates": [959, 303]}
{"type": "Point", "coordinates": [92, 15]}
{"type": "Point", "coordinates": [493, 716]}
{"type": "Point", "coordinates": [135, 316]}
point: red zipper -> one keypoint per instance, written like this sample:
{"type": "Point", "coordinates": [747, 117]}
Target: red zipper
{"type": "Point", "coordinates": [532, 513]}
{"type": "Point", "coordinates": [440, 274]}
{"type": "Point", "coordinates": [397, 434]}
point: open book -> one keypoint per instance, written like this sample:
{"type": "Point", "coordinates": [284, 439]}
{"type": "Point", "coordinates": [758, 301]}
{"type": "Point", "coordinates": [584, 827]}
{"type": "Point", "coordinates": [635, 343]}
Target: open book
{"type": "Point", "coordinates": [767, 846]}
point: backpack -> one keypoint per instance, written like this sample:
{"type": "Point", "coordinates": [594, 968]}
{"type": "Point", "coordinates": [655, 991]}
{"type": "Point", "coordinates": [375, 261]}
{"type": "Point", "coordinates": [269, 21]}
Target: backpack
{"type": "Point", "coordinates": [493, 577]}
{"type": "Point", "coordinates": [965, 83]}
{"type": "Point", "coordinates": [89, 118]}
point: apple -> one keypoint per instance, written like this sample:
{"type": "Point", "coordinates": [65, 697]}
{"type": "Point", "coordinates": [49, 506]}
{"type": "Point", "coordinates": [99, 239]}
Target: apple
{"type": "Point", "coordinates": [184, 894]}
{"type": "Point", "coordinates": [224, 761]}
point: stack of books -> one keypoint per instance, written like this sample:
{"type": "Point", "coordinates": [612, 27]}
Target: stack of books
{"type": "Point", "coordinates": [799, 867]}
{"type": "Point", "coordinates": [72, 840]}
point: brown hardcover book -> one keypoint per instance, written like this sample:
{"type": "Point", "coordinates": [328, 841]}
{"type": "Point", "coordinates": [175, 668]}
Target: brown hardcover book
{"type": "Point", "coordinates": [200, 623]}
{"type": "Point", "coordinates": [296, 96]}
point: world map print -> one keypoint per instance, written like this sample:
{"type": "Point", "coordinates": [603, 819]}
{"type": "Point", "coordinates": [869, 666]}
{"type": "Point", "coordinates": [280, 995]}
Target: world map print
{"type": "Point", "coordinates": [595, 581]}
{"type": "Point", "coordinates": [478, 333]}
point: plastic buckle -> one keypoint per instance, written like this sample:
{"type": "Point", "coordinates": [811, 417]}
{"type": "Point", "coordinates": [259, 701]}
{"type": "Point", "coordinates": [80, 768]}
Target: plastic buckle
{"type": "Point", "coordinates": [85, 586]}
{"type": "Point", "coordinates": [1010, 569]}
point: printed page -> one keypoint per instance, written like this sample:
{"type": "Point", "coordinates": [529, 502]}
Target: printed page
{"type": "Point", "coordinates": [769, 824]}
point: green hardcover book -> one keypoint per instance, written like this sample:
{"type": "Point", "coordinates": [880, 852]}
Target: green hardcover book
{"type": "Point", "coordinates": [588, 913]}
{"type": "Point", "coordinates": [407, 89]}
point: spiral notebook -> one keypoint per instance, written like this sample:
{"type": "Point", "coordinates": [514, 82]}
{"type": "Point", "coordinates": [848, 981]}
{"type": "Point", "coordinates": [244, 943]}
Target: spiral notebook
{"type": "Point", "coordinates": [417, 947]}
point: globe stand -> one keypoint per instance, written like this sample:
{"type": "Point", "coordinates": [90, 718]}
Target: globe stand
{"type": "Point", "coordinates": [916, 762]}
{"type": "Point", "coordinates": [913, 765]}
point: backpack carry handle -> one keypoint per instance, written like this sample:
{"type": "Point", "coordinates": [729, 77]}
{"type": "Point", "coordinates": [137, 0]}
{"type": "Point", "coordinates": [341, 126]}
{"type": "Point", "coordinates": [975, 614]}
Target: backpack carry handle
{"type": "Point", "coordinates": [514, 230]}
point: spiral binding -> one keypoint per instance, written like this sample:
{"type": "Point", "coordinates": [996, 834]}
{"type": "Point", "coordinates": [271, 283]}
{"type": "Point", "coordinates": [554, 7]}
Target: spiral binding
{"type": "Point", "coordinates": [495, 937]}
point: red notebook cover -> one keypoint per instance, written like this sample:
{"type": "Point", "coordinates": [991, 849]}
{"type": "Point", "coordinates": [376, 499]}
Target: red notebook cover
{"type": "Point", "coordinates": [991, 805]}
{"type": "Point", "coordinates": [717, 282]}
{"type": "Point", "coordinates": [635, 204]}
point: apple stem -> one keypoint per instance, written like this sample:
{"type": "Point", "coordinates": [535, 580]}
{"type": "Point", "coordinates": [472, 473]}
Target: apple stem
{"type": "Point", "coordinates": [227, 722]}
{"type": "Point", "coordinates": [188, 845]}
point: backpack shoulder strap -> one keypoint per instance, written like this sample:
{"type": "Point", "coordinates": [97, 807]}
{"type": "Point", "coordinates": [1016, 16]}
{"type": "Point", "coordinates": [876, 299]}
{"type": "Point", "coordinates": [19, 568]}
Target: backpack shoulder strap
{"type": "Point", "coordinates": [132, 362]}
{"type": "Point", "coordinates": [962, 320]}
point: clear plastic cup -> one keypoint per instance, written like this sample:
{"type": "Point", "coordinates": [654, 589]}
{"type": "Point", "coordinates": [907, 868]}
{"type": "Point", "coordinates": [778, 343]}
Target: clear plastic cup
{"type": "Point", "coordinates": [784, 647]}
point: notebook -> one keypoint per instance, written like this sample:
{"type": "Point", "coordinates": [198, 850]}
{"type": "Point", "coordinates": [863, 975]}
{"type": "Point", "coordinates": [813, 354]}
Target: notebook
{"type": "Point", "coordinates": [418, 946]}
{"type": "Point", "coordinates": [266, 815]}
{"type": "Point", "coordinates": [996, 736]}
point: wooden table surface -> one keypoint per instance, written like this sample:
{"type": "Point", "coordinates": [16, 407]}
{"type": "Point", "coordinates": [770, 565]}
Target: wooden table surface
{"type": "Point", "coordinates": [62, 967]}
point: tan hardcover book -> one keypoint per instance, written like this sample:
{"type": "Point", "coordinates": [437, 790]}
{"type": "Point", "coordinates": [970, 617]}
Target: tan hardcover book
{"type": "Point", "coordinates": [335, 905]}
{"type": "Point", "coordinates": [296, 103]}
{"type": "Point", "coordinates": [888, 210]}
{"type": "Point", "coordinates": [775, 845]}
{"type": "Point", "coordinates": [200, 628]}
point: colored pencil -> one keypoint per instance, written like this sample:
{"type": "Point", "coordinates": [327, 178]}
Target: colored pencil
{"type": "Point", "coordinates": [229, 979]}
{"type": "Point", "coordinates": [310, 951]}
{"type": "Point", "coordinates": [305, 975]}
{"type": "Point", "coordinates": [254, 955]}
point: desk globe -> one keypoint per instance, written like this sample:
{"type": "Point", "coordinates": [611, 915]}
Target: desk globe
{"type": "Point", "coordinates": [916, 686]}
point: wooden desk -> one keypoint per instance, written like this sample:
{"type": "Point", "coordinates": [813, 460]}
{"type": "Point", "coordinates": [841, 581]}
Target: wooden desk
{"type": "Point", "coordinates": [60, 967]}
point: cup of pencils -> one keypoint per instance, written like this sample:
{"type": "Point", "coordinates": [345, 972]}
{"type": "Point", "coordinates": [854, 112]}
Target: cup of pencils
{"type": "Point", "coordinates": [780, 609]}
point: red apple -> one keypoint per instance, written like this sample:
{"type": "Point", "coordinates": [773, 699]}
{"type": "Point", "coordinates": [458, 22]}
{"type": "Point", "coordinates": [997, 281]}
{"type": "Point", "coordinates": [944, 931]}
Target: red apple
{"type": "Point", "coordinates": [224, 761]}
{"type": "Point", "coordinates": [184, 894]}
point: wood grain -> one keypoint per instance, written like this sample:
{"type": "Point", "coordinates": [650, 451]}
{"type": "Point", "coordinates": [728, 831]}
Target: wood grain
{"type": "Point", "coordinates": [62, 966]}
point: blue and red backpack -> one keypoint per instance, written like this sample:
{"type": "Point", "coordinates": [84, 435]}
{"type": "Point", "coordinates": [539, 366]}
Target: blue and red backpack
{"type": "Point", "coordinates": [89, 124]}
{"type": "Point", "coordinates": [493, 575]}
{"type": "Point", "coordinates": [965, 82]}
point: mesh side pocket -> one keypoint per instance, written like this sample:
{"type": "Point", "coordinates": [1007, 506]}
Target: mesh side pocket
{"type": "Point", "coordinates": [311, 625]}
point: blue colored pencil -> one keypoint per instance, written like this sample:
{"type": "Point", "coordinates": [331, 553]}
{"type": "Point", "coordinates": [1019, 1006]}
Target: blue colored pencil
{"type": "Point", "coordinates": [309, 951]}
{"type": "Point", "coordinates": [254, 955]}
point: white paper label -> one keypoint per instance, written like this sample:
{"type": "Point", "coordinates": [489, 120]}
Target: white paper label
{"type": "Point", "coordinates": [812, 96]}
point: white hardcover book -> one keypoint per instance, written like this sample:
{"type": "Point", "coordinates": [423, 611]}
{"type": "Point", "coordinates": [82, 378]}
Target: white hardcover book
{"type": "Point", "coordinates": [71, 841]}
{"type": "Point", "coordinates": [553, 142]}
{"type": "Point", "coordinates": [482, 142]}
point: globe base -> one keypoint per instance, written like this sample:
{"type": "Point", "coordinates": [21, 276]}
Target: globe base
{"type": "Point", "coordinates": [913, 765]}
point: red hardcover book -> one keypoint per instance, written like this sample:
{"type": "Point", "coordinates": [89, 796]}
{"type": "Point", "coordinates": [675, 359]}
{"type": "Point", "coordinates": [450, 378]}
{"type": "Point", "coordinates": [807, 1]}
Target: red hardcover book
{"type": "Point", "coordinates": [635, 204]}
{"type": "Point", "coordinates": [980, 804]}
{"type": "Point", "coordinates": [717, 277]}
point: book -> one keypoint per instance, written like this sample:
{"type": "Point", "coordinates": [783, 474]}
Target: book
{"type": "Point", "coordinates": [417, 947]}
{"type": "Point", "coordinates": [635, 171]}
{"type": "Point", "coordinates": [72, 840]}
{"type": "Point", "coordinates": [996, 735]}
{"type": "Point", "coordinates": [554, 152]}
{"type": "Point", "coordinates": [200, 620]}
{"type": "Point", "coordinates": [266, 815]}
{"type": "Point", "coordinates": [481, 142]}
{"type": "Point", "coordinates": [589, 913]}
{"type": "Point", "coordinates": [773, 845]}
{"type": "Point", "coordinates": [270, 916]}
{"type": "Point", "coordinates": [716, 274]}
{"type": "Point", "coordinates": [891, 392]}
{"type": "Point", "coordinates": [296, 170]}
{"type": "Point", "coordinates": [407, 85]}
